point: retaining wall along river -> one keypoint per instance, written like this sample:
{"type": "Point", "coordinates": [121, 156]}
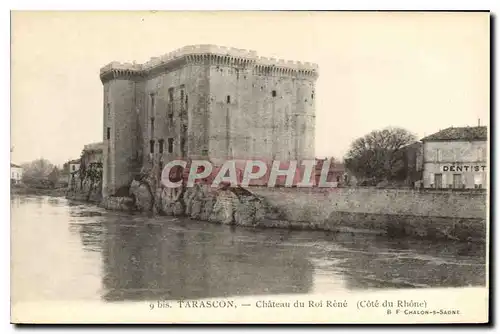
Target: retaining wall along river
{"type": "Point", "coordinates": [432, 214]}
{"type": "Point", "coordinates": [450, 214]}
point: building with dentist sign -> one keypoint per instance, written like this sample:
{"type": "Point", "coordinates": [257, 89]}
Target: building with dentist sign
{"type": "Point", "coordinates": [456, 158]}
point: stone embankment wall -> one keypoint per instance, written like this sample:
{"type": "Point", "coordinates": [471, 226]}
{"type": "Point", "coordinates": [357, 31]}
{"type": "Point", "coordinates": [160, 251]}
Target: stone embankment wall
{"type": "Point", "coordinates": [318, 203]}
{"type": "Point", "coordinates": [455, 215]}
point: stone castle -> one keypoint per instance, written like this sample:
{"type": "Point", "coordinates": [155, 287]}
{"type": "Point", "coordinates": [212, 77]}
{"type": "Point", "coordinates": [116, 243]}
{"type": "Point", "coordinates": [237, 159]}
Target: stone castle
{"type": "Point", "coordinates": [205, 102]}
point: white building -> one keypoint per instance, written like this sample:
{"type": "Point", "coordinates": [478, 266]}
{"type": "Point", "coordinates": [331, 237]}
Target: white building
{"type": "Point", "coordinates": [74, 166]}
{"type": "Point", "coordinates": [16, 174]}
{"type": "Point", "coordinates": [456, 158]}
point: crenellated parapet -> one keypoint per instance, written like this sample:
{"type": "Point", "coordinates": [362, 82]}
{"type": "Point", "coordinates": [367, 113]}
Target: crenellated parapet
{"type": "Point", "coordinates": [211, 55]}
{"type": "Point", "coordinates": [281, 67]}
{"type": "Point", "coordinates": [116, 70]}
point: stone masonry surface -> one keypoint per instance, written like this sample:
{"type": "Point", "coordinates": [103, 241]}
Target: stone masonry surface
{"type": "Point", "coordinates": [205, 101]}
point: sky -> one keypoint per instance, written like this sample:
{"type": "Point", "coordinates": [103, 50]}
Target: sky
{"type": "Point", "coordinates": [420, 71]}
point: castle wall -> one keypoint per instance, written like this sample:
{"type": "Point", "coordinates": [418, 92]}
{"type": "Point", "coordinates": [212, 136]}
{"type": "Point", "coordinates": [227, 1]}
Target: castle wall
{"type": "Point", "coordinates": [172, 106]}
{"type": "Point", "coordinates": [205, 101]}
{"type": "Point", "coordinates": [254, 114]}
{"type": "Point", "coordinates": [230, 111]}
{"type": "Point", "coordinates": [198, 110]}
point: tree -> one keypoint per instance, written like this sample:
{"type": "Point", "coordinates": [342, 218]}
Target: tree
{"type": "Point", "coordinates": [54, 176]}
{"type": "Point", "coordinates": [38, 169]}
{"type": "Point", "coordinates": [378, 155]}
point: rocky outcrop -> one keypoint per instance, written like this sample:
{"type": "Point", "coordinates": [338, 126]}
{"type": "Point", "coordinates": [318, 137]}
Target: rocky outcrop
{"type": "Point", "coordinates": [239, 206]}
{"type": "Point", "coordinates": [141, 194]}
{"type": "Point", "coordinates": [169, 201]}
{"type": "Point", "coordinates": [250, 210]}
{"type": "Point", "coordinates": [118, 203]}
{"type": "Point", "coordinates": [201, 202]}
{"type": "Point", "coordinates": [224, 207]}
{"type": "Point", "coordinates": [142, 190]}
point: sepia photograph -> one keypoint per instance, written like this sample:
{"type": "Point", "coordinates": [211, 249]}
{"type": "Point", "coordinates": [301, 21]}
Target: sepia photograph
{"type": "Point", "coordinates": [239, 167]}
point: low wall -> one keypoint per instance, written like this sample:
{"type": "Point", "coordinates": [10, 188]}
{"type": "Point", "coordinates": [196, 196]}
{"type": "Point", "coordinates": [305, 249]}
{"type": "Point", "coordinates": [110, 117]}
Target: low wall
{"type": "Point", "coordinates": [458, 215]}
{"type": "Point", "coordinates": [455, 215]}
{"type": "Point", "coordinates": [317, 203]}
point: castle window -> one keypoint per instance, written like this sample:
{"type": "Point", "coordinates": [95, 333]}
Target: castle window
{"type": "Point", "coordinates": [108, 133]}
{"type": "Point", "coordinates": [273, 93]}
{"type": "Point", "coordinates": [108, 107]}
{"type": "Point", "coordinates": [170, 95]}
{"type": "Point", "coordinates": [182, 93]}
{"type": "Point", "coordinates": [312, 95]}
{"type": "Point", "coordinates": [160, 142]}
{"type": "Point", "coordinates": [152, 103]}
{"type": "Point", "coordinates": [170, 145]}
{"type": "Point", "coordinates": [151, 146]}
{"type": "Point", "coordinates": [152, 126]}
{"type": "Point", "coordinates": [170, 111]}
{"type": "Point", "coordinates": [228, 99]}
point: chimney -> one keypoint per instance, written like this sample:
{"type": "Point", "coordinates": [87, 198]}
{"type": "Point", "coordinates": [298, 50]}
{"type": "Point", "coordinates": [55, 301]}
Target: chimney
{"type": "Point", "coordinates": [478, 122]}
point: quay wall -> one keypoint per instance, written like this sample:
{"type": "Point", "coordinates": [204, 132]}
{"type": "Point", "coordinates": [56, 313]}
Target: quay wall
{"type": "Point", "coordinates": [455, 215]}
{"type": "Point", "coordinates": [318, 203]}
{"type": "Point", "coordinates": [448, 214]}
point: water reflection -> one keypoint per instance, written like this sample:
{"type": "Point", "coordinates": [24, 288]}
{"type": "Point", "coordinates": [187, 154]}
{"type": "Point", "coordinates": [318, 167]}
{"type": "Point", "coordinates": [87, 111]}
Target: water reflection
{"type": "Point", "coordinates": [382, 263]}
{"type": "Point", "coordinates": [176, 260]}
{"type": "Point", "coordinates": [133, 257]}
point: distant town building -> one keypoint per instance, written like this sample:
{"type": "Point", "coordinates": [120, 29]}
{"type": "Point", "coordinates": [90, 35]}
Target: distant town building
{"type": "Point", "coordinates": [92, 157]}
{"type": "Point", "coordinates": [456, 158]}
{"type": "Point", "coordinates": [16, 174]}
{"type": "Point", "coordinates": [92, 154]}
{"type": "Point", "coordinates": [74, 167]}
{"type": "Point", "coordinates": [205, 101]}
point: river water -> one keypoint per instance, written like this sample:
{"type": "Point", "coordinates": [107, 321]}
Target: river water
{"type": "Point", "coordinates": [65, 251]}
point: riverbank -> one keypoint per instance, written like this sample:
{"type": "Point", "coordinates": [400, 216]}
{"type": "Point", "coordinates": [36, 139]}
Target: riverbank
{"type": "Point", "coordinates": [54, 192]}
{"type": "Point", "coordinates": [111, 259]}
{"type": "Point", "coordinates": [434, 215]}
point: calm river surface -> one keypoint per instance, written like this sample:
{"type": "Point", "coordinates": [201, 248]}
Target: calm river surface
{"type": "Point", "coordinates": [72, 251]}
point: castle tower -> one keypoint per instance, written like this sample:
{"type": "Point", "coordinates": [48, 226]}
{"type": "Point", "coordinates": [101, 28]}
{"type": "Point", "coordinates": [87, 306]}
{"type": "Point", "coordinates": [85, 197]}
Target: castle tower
{"type": "Point", "coordinates": [120, 127]}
